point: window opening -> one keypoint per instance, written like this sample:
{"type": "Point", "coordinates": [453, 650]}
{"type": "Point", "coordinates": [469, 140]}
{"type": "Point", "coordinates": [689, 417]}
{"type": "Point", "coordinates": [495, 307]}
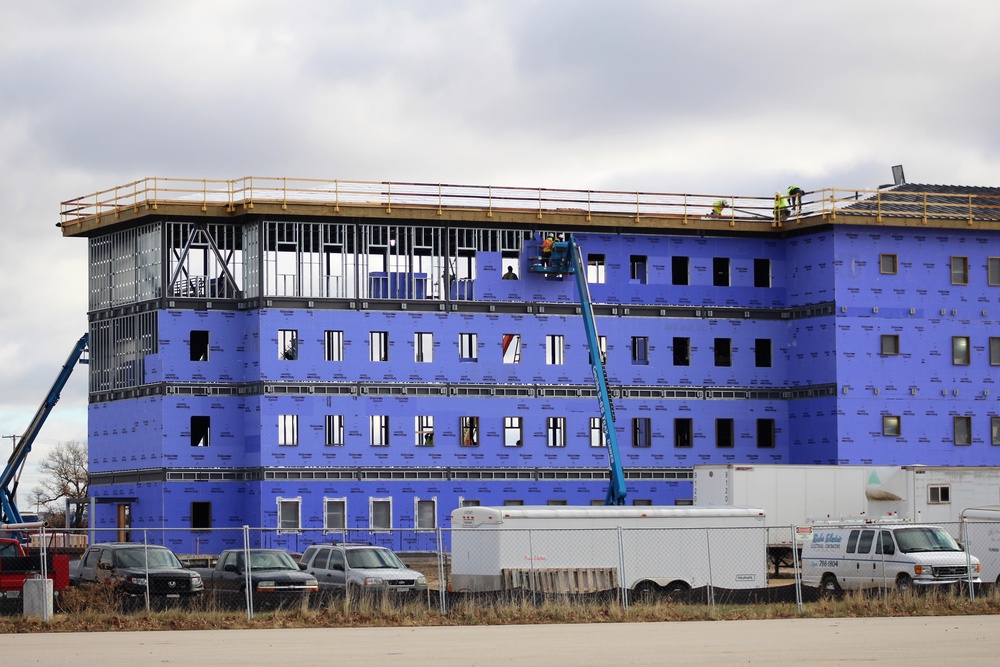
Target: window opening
{"type": "Point", "coordinates": [762, 352]}
{"type": "Point", "coordinates": [765, 434]}
{"type": "Point", "coordinates": [289, 515]}
{"type": "Point", "coordinates": [469, 431]}
{"type": "Point", "coordinates": [379, 344]}
{"type": "Point", "coordinates": [288, 430]}
{"type": "Point", "coordinates": [638, 270]}
{"type": "Point", "coordinates": [334, 428]}
{"type": "Point", "coordinates": [724, 433]}
{"type": "Point", "coordinates": [720, 271]}
{"type": "Point", "coordinates": [380, 513]}
{"type": "Point", "coordinates": [201, 515]}
{"type": "Point", "coordinates": [762, 273]}
{"type": "Point", "coordinates": [335, 514]}
{"type": "Point", "coordinates": [512, 431]}
{"type": "Point", "coordinates": [199, 346]}
{"type": "Point", "coordinates": [423, 347]}
{"type": "Point", "coordinates": [596, 272]}
{"type": "Point", "coordinates": [201, 427]}
{"type": "Point", "coordinates": [424, 430]}
{"type": "Point", "coordinates": [288, 344]}
{"type": "Point", "coordinates": [963, 430]}
{"type": "Point", "coordinates": [511, 348]}
{"type": "Point", "coordinates": [426, 511]}
{"type": "Point", "coordinates": [679, 274]}
{"type": "Point", "coordinates": [379, 430]}
{"type": "Point", "coordinates": [554, 349]}
{"type": "Point", "coordinates": [467, 346]}
{"type": "Point", "coordinates": [641, 432]}
{"type": "Point", "coordinates": [888, 264]}
{"type": "Point", "coordinates": [333, 345]}
{"type": "Point", "coordinates": [959, 270]}
{"type": "Point", "coordinates": [555, 428]}
{"type": "Point", "coordinates": [890, 344]}
{"type": "Point", "coordinates": [891, 425]}
{"type": "Point", "coordinates": [723, 352]}
{"type": "Point", "coordinates": [682, 351]}
{"type": "Point", "coordinates": [960, 350]}
{"type": "Point", "coordinates": [683, 432]}
{"type": "Point", "coordinates": [640, 350]}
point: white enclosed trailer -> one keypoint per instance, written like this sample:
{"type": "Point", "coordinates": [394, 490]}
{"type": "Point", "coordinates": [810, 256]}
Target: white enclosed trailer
{"type": "Point", "coordinates": [587, 549]}
{"type": "Point", "coordinates": [801, 495]}
{"type": "Point", "coordinates": [790, 495]}
{"type": "Point", "coordinates": [980, 533]}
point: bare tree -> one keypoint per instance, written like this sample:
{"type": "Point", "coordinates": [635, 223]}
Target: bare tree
{"type": "Point", "coordinates": [64, 475]}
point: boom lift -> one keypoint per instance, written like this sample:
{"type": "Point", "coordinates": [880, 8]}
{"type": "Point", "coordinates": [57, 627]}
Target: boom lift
{"type": "Point", "coordinates": [566, 258]}
{"type": "Point", "coordinates": [11, 475]}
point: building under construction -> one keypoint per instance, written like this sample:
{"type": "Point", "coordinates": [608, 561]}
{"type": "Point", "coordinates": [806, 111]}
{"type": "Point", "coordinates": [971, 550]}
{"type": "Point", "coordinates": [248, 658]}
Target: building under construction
{"type": "Point", "coordinates": [312, 354]}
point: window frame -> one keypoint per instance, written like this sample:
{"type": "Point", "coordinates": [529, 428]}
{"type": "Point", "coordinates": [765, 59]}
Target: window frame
{"type": "Point", "coordinates": [282, 516]}
{"type": "Point", "coordinates": [994, 350]}
{"type": "Point", "coordinates": [889, 345]}
{"type": "Point", "coordinates": [959, 266]}
{"type": "Point", "coordinates": [419, 520]}
{"type": "Point", "coordinates": [596, 433]}
{"type": "Point", "coordinates": [893, 259]}
{"type": "Point", "coordinates": [960, 357]}
{"type": "Point", "coordinates": [962, 430]}
{"type": "Point", "coordinates": [327, 502]}
{"type": "Point", "coordinates": [387, 503]}
{"type": "Point", "coordinates": [993, 271]}
{"type": "Point", "coordinates": [892, 426]}
{"type": "Point", "coordinates": [939, 494]}
{"type": "Point", "coordinates": [994, 429]}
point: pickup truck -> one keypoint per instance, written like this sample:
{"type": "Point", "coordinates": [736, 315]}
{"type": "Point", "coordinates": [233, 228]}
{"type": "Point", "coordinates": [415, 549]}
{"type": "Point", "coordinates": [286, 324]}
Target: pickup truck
{"type": "Point", "coordinates": [136, 570]}
{"type": "Point", "coordinates": [275, 579]}
{"type": "Point", "coordinates": [16, 565]}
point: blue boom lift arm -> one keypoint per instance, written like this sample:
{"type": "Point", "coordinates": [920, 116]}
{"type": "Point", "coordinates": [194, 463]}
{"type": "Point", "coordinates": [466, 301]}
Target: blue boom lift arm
{"type": "Point", "coordinates": [11, 474]}
{"type": "Point", "coordinates": [565, 257]}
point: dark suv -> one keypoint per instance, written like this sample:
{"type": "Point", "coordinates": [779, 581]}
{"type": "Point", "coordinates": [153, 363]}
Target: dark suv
{"type": "Point", "coordinates": [360, 569]}
{"type": "Point", "coordinates": [135, 569]}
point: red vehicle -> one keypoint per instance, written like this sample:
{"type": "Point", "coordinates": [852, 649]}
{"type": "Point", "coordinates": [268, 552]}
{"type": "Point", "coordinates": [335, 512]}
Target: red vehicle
{"type": "Point", "coordinates": [16, 565]}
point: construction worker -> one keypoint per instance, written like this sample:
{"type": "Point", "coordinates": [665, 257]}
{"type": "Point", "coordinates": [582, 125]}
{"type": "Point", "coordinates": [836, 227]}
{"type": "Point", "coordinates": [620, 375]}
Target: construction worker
{"type": "Point", "coordinates": [510, 275]}
{"type": "Point", "coordinates": [717, 206]}
{"type": "Point", "coordinates": [546, 249]}
{"type": "Point", "coordinates": [795, 199]}
{"type": "Point", "coordinates": [780, 209]}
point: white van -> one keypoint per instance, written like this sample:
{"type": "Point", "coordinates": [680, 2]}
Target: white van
{"type": "Point", "coordinates": [980, 532]}
{"type": "Point", "coordinates": [884, 555]}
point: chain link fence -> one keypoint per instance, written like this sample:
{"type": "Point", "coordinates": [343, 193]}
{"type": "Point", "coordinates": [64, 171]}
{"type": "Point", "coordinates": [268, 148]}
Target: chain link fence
{"type": "Point", "coordinates": [259, 569]}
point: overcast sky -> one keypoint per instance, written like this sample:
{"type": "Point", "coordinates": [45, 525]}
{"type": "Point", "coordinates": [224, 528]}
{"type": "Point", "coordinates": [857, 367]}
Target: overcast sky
{"type": "Point", "coordinates": [727, 97]}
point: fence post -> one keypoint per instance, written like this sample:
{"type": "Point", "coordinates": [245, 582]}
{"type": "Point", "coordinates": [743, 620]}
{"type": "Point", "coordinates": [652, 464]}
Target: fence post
{"type": "Point", "coordinates": [440, 566]}
{"type": "Point", "coordinates": [145, 557]}
{"type": "Point", "coordinates": [247, 581]}
{"type": "Point", "coordinates": [531, 569]}
{"type": "Point", "coordinates": [708, 552]}
{"type": "Point", "coordinates": [964, 532]}
{"type": "Point", "coordinates": [43, 554]}
{"type": "Point", "coordinates": [622, 576]}
{"type": "Point", "coordinates": [795, 568]}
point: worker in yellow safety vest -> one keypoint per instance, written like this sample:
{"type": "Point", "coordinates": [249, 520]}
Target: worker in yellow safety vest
{"type": "Point", "coordinates": [780, 209]}
{"type": "Point", "coordinates": [795, 199]}
{"type": "Point", "coordinates": [717, 206]}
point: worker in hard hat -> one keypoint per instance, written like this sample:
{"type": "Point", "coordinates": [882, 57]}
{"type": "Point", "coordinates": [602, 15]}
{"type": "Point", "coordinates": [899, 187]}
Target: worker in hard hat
{"type": "Point", "coordinates": [546, 249]}
{"type": "Point", "coordinates": [795, 199]}
{"type": "Point", "coordinates": [717, 207]}
{"type": "Point", "coordinates": [780, 209]}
